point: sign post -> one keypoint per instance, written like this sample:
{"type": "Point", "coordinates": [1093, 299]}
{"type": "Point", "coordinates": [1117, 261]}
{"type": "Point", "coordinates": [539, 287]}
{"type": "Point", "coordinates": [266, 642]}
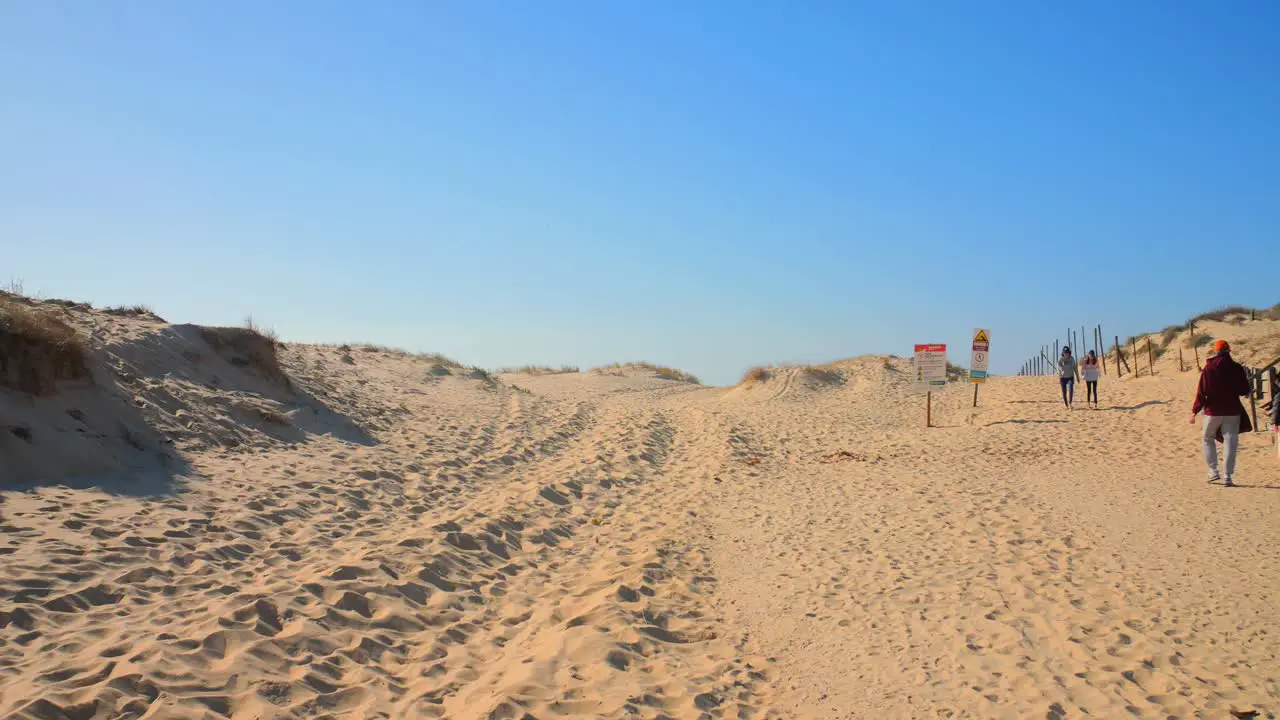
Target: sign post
{"type": "Point", "coordinates": [931, 373]}
{"type": "Point", "coordinates": [978, 361]}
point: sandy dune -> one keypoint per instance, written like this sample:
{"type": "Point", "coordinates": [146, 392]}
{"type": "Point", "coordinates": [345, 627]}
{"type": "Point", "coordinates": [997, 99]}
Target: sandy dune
{"type": "Point", "coordinates": [384, 535]}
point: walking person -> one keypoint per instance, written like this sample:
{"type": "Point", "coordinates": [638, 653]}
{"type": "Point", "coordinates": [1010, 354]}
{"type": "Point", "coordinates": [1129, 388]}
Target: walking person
{"type": "Point", "coordinates": [1222, 382]}
{"type": "Point", "coordinates": [1068, 373]}
{"type": "Point", "coordinates": [1092, 371]}
{"type": "Point", "coordinates": [1275, 421]}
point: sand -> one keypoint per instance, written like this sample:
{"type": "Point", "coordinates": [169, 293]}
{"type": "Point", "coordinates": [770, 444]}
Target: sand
{"type": "Point", "coordinates": [384, 535]}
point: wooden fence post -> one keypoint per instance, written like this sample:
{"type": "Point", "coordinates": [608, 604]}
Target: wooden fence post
{"type": "Point", "coordinates": [1255, 381]}
{"type": "Point", "coordinates": [1120, 359]}
{"type": "Point", "coordinates": [1151, 363]}
{"type": "Point", "coordinates": [1180, 367]}
{"type": "Point", "coordinates": [1102, 349]}
{"type": "Point", "coordinates": [1137, 369]}
{"type": "Point", "coordinates": [1273, 380]}
{"type": "Point", "coordinates": [1191, 328]}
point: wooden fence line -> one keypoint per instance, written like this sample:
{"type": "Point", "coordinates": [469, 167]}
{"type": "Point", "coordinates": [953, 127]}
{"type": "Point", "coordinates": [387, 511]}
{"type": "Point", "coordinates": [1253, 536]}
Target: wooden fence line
{"type": "Point", "coordinates": [1118, 356]}
{"type": "Point", "coordinates": [1263, 380]}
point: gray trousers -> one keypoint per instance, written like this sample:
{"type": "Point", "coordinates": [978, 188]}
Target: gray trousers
{"type": "Point", "coordinates": [1230, 425]}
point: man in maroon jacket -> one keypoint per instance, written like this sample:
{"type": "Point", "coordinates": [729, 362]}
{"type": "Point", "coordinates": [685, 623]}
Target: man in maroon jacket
{"type": "Point", "coordinates": [1222, 382]}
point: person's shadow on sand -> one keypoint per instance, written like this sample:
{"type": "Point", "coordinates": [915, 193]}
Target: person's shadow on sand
{"type": "Point", "coordinates": [1035, 402]}
{"type": "Point", "coordinates": [1139, 406]}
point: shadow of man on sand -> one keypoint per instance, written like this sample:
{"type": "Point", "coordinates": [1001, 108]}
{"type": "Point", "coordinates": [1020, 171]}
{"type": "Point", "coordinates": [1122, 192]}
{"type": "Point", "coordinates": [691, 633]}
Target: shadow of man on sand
{"type": "Point", "coordinates": [1139, 406]}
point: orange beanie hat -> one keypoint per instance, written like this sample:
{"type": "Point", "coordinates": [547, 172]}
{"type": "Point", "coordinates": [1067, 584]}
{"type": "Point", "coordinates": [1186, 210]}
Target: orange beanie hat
{"type": "Point", "coordinates": [1222, 346]}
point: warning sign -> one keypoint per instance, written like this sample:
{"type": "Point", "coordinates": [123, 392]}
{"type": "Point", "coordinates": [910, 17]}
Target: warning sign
{"type": "Point", "coordinates": [981, 356]}
{"type": "Point", "coordinates": [931, 367]}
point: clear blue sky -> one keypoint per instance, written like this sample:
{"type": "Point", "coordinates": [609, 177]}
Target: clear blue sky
{"type": "Point", "coordinates": [709, 185]}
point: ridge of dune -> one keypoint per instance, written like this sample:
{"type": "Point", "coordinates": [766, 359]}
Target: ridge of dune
{"type": "Point", "coordinates": [1254, 337]}
{"type": "Point", "coordinates": [230, 526]}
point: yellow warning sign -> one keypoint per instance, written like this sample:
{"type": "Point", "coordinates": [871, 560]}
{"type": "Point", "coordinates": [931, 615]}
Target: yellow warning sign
{"type": "Point", "coordinates": [980, 358]}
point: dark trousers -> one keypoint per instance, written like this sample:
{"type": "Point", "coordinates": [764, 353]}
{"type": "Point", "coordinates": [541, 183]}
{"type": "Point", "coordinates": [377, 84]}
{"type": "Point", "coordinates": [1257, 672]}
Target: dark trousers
{"type": "Point", "coordinates": [1091, 390]}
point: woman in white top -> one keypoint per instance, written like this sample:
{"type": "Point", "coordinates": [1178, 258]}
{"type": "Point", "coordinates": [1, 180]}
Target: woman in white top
{"type": "Point", "coordinates": [1091, 374]}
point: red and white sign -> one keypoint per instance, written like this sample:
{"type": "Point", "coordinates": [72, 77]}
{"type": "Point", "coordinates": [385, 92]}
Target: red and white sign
{"type": "Point", "coordinates": [930, 367]}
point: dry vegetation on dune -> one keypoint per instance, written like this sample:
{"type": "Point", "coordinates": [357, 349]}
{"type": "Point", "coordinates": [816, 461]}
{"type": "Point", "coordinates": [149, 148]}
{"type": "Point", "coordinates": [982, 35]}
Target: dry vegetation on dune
{"type": "Point", "coordinates": [37, 348]}
{"type": "Point", "coordinates": [1254, 334]}
{"type": "Point", "coordinates": [401, 352]}
{"type": "Point", "coordinates": [436, 359]}
{"type": "Point", "coordinates": [823, 374]}
{"type": "Point", "coordinates": [248, 347]}
{"type": "Point", "coordinates": [433, 358]}
{"type": "Point", "coordinates": [1235, 315]}
{"type": "Point", "coordinates": [539, 370]}
{"type": "Point", "coordinates": [133, 311]}
{"type": "Point", "coordinates": [666, 373]}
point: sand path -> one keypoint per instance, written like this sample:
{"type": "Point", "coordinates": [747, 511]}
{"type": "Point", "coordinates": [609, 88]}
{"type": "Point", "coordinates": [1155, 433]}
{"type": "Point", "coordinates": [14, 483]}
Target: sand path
{"type": "Point", "coordinates": [1021, 561]}
{"type": "Point", "coordinates": [601, 546]}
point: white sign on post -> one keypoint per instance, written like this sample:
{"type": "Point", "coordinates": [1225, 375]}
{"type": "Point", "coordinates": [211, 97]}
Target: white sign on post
{"type": "Point", "coordinates": [931, 367]}
{"type": "Point", "coordinates": [981, 356]}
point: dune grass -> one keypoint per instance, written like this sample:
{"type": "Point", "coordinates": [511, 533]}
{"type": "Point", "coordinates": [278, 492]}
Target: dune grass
{"type": "Point", "coordinates": [433, 358]}
{"type": "Point", "coordinates": [666, 373]}
{"type": "Point", "coordinates": [1223, 313]}
{"type": "Point", "coordinates": [265, 333]}
{"type": "Point", "coordinates": [539, 370]}
{"type": "Point", "coordinates": [479, 373]}
{"type": "Point", "coordinates": [1231, 314]}
{"type": "Point", "coordinates": [131, 311]}
{"type": "Point", "coordinates": [824, 374]}
{"type": "Point", "coordinates": [250, 346]}
{"type": "Point", "coordinates": [38, 349]}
